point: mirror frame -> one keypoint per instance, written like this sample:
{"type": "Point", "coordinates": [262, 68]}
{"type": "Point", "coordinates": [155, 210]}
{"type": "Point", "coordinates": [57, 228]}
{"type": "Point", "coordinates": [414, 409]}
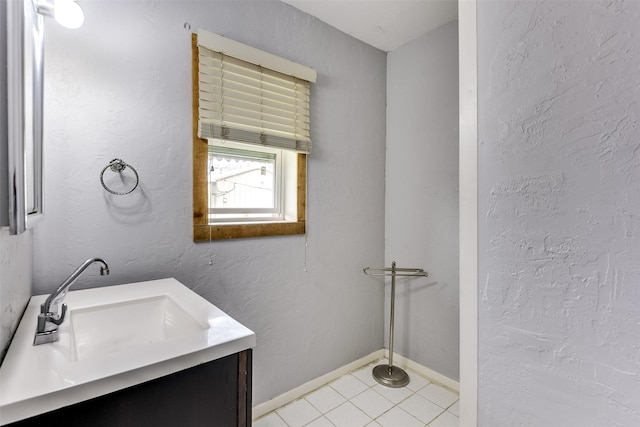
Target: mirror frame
{"type": "Point", "coordinates": [25, 34]}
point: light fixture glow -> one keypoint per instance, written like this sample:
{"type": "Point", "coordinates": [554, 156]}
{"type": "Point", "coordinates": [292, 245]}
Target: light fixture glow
{"type": "Point", "coordinates": [68, 13]}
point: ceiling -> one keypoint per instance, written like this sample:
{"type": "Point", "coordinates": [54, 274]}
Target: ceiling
{"type": "Point", "coordinates": [385, 24]}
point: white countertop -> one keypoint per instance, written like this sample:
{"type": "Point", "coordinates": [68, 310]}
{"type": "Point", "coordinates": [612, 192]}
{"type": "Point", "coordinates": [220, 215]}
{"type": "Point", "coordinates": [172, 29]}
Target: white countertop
{"type": "Point", "coordinates": [38, 379]}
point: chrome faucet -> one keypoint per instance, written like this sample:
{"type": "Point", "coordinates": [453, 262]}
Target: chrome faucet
{"type": "Point", "coordinates": [49, 319]}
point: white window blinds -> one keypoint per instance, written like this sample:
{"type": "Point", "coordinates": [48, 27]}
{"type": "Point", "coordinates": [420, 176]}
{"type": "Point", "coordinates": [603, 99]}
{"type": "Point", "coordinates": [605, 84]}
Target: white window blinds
{"type": "Point", "coordinates": [244, 102]}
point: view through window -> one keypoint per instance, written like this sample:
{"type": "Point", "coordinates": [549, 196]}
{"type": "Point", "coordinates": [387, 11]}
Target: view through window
{"type": "Point", "coordinates": [243, 184]}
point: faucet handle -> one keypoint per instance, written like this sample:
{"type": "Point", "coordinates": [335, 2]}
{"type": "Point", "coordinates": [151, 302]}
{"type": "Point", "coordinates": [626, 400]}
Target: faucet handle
{"type": "Point", "coordinates": [60, 318]}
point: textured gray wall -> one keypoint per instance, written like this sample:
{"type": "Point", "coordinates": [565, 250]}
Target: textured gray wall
{"type": "Point", "coordinates": [120, 86]}
{"type": "Point", "coordinates": [422, 197]}
{"type": "Point", "coordinates": [4, 172]}
{"type": "Point", "coordinates": [559, 196]}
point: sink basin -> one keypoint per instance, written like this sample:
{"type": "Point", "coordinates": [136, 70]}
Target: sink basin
{"type": "Point", "coordinates": [113, 338]}
{"type": "Point", "coordinates": [100, 330]}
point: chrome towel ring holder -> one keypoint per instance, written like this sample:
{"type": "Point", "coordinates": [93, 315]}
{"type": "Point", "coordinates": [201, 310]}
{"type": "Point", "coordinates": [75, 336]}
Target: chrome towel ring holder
{"type": "Point", "coordinates": [118, 165]}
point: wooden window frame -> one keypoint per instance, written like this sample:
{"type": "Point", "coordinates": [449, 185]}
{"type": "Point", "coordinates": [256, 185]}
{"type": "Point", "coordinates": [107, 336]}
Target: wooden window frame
{"type": "Point", "coordinates": [202, 230]}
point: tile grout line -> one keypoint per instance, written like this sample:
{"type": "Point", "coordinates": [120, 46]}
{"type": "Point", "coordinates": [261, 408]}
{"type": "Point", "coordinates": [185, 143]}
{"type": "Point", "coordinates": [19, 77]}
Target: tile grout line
{"type": "Point", "coordinates": [394, 405]}
{"type": "Point", "coordinates": [368, 387]}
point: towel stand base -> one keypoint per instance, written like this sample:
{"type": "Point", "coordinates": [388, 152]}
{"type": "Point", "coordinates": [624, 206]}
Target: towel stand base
{"type": "Point", "coordinates": [390, 376]}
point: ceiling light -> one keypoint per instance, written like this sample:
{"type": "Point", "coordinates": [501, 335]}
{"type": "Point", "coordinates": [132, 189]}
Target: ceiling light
{"type": "Point", "coordinates": [68, 13]}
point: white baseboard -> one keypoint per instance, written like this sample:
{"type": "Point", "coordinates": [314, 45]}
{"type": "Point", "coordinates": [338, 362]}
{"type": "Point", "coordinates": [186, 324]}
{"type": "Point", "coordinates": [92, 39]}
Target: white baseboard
{"type": "Point", "coordinates": [316, 383]}
{"type": "Point", "coordinates": [434, 376]}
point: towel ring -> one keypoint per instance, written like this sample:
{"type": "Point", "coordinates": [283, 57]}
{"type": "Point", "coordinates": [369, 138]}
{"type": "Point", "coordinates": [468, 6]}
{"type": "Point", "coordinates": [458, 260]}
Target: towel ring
{"type": "Point", "coordinates": [118, 165]}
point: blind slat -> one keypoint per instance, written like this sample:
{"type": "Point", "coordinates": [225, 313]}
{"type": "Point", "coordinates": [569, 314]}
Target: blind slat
{"type": "Point", "coordinates": [272, 106]}
{"type": "Point", "coordinates": [212, 103]}
{"type": "Point", "coordinates": [215, 75]}
{"type": "Point", "coordinates": [233, 90]}
{"type": "Point", "coordinates": [274, 127]}
{"type": "Point", "coordinates": [243, 102]}
{"type": "Point", "coordinates": [250, 136]}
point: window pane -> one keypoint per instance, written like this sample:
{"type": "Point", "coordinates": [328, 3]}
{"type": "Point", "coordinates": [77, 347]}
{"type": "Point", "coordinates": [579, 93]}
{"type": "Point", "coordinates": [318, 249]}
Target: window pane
{"type": "Point", "coordinates": [241, 180]}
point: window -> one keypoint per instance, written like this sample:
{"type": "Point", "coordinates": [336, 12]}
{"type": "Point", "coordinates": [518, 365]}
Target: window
{"type": "Point", "coordinates": [245, 185]}
{"type": "Point", "coordinates": [251, 138]}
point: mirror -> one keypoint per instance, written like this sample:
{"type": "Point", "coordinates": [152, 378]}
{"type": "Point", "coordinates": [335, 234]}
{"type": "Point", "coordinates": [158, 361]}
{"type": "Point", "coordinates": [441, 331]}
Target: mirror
{"type": "Point", "coordinates": [25, 84]}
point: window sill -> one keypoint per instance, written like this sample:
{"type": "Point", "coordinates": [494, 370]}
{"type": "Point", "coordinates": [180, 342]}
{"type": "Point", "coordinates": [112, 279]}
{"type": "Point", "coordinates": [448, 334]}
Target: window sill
{"type": "Point", "coordinates": [245, 230]}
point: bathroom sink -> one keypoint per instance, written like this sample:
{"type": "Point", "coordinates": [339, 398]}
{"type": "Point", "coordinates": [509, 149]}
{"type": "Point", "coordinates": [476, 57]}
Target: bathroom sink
{"type": "Point", "coordinates": [103, 329]}
{"type": "Point", "coordinates": [112, 338]}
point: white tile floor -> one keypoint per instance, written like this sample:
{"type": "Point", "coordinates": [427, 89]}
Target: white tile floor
{"type": "Point", "coordinates": [357, 400]}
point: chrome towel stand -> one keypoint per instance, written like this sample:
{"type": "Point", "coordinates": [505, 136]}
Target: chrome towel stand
{"type": "Point", "coordinates": [389, 375]}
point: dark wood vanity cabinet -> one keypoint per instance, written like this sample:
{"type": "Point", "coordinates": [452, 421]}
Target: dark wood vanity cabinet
{"type": "Point", "coordinates": [214, 394]}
